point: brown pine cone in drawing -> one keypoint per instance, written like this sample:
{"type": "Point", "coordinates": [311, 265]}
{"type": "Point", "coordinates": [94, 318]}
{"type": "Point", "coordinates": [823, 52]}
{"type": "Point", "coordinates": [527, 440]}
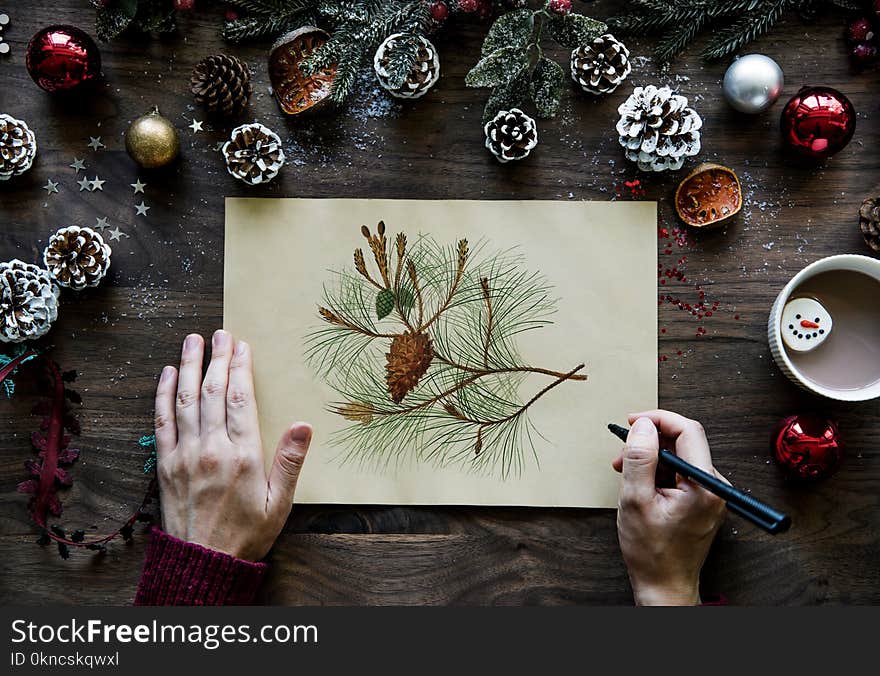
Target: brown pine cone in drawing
{"type": "Point", "coordinates": [221, 84]}
{"type": "Point", "coordinates": [77, 257]}
{"type": "Point", "coordinates": [407, 361]}
{"type": "Point", "coordinates": [600, 66]}
{"type": "Point", "coordinates": [28, 302]}
{"type": "Point", "coordinates": [18, 146]}
{"type": "Point", "coordinates": [253, 153]}
{"type": "Point", "coordinates": [869, 222]}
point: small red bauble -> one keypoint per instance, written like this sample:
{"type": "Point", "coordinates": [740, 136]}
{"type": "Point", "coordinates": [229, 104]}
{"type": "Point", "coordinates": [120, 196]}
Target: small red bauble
{"type": "Point", "coordinates": [560, 6]}
{"type": "Point", "coordinates": [808, 447]}
{"type": "Point", "coordinates": [818, 122]}
{"type": "Point", "coordinates": [860, 30]}
{"type": "Point", "coordinates": [184, 5]}
{"type": "Point", "coordinates": [468, 6]}
{"type": "Point", "coordinates": [61, 58]}
{"type": "Point", "coordinates": [439, 11]}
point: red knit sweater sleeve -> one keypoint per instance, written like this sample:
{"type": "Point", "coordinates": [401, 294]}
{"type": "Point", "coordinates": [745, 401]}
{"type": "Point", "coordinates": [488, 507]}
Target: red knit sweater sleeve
{"type": "Point", "coordinates": [178, 573]}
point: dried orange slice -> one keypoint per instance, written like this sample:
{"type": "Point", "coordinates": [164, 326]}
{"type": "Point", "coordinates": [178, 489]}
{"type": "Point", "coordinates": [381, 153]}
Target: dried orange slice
{"type": "Point", "coordinates": [295, 91]}
{"type": "Point", "coordinates": [708, 195]}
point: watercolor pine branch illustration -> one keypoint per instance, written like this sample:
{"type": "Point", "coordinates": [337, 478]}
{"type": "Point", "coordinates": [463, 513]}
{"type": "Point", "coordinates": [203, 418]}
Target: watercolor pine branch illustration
{"type": "Point", "coordinates": [421, 346]}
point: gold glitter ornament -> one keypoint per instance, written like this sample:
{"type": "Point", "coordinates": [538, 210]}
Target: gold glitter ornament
{"type": "Point", "coordinates": [152, 141]}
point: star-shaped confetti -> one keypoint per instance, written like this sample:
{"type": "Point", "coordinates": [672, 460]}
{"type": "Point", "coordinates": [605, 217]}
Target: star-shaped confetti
{"type": "Point", "coordinates": [142, 209]}
{"type": "Point", "coordinates": [138, 186]}
{"type": "Point", "coordinates": [97, 184]}
{"type": "Point", "coordinates": [196, 126]}
{"type": "Point", "coordinates": [115, 234]}
{"type": "Point", "coordinates": [102, 224]}
{"type": "Point", "coordinates": [78, 165]}
{"type": "Point", "coordinates": [50, 187]}
{"type": "Point", "coordinates": [84, 184]}
{"type": "Point", "coordinates": [95, 143]}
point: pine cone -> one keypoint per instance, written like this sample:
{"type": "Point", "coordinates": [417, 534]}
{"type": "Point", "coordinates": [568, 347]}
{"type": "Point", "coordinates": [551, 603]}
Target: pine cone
{"type": "Point", "coordinates": [18, 145]}
{"type": "Point", "coordinates": [77, 257]}
{"type": "Point", "coordinates": [28, 302]}
{"type": "Point", "coordinates": [511, 135]}
{"type": "Point", "coordinates": [253, 153]}
{"type": "Point", "coordinates": [222, 85]}
{"type": "Point", "coordinates": [419, 80]}
{"type": "Point", "coordinates": [601, 66]}
{"type": "Point", "coordinates": [869, 222]}
{"type": "Point", "coordinates": [658, 129]}
{"type": "Point", "coordinates": [407, 361]}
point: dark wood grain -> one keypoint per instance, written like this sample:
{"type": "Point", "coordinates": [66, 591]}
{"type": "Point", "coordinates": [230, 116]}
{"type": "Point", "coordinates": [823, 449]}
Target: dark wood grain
{"type": "Point", "coordinates": [167, 280]}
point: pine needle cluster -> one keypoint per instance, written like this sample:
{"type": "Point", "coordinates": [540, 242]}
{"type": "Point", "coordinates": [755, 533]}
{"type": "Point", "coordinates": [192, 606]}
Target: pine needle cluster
{"type": "Point", "coordinates": [733, 23]}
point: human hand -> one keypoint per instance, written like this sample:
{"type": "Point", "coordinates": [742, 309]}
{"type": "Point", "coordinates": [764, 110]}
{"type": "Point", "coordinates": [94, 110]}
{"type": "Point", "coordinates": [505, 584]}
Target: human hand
{"type": "Point", "coordinates": [212, 480]}
{"type": "Point", "coordinates": [665, 533]}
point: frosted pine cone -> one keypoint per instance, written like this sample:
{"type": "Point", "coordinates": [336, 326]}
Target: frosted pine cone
{"type": "Point", "coordinates": [18, 146]}
{"type": "Point", "coordinates": [419, 80]}
{"type": "Point", "coordinates": [658, 129]}
{"type": "Point", "coordinates": [869, 222]}
{"type": "Point", "coordinates": [600, 66]}
{"type": "Point", "coordinates": [77, 257]}
{"type": "Point", "coordinates": [28, 302]}
{"type": "Point", "coordinates": [407, 361]}
{"type": "Point", "coordinates": [253, 153]}
{"type": "Point", "coordinates": [222, 85]}
{"type": "Point", "coordinates": [511, 135]}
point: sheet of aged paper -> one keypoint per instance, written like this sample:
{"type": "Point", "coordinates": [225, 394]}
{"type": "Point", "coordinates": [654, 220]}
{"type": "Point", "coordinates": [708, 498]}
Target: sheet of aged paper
{"type": "Point", "coordinates": [598, 259]}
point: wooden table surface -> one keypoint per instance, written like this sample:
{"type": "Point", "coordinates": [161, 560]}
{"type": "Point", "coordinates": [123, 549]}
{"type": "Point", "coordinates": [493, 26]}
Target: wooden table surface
{"type": "Point", "coordinates": [167, 279]}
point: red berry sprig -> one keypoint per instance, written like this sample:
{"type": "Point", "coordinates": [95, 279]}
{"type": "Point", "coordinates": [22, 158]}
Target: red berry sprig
{"type": "Point", "coordinates": [862, 37]}
{"type": "Point", "coordinates": [560, 6]}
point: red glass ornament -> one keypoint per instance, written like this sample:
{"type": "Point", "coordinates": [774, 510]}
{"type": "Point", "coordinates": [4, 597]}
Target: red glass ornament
{"type": "Point", "coordinates": [439, 11]}
{"type": "Point", "coordinates": [818, 121]}
{"type": "Point", "coordinates": [61, 58]}
{"type": "Point", "coordinates": [807, 446]}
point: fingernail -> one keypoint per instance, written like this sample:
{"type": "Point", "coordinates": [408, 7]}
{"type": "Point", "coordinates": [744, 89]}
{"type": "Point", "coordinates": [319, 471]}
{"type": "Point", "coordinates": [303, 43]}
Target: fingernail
{"type": "Point", "coordinates": [220, 339]}
{"type": "Point", "coordinates": [166, 373]}
{"type": "Point", "coordinates": [301, 433]}
{"type": "Point", "coordinates": [190, 343]}
{"type": "Point", "coordinates": [643, 426]}
{"type": "Point", "coordinates": [240, 348]}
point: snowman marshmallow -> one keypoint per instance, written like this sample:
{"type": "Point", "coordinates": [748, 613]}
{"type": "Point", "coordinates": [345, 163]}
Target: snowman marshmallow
{"type": "Point", "coordinates": [805, 324]}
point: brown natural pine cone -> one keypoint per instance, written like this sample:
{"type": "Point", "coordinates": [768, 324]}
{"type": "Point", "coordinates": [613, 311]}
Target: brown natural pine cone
{"type": "Point", "coordinates": [407, 361]}
{"type": "Point", "coordinates": [511, 135]}
{"type": "Point", "coordinates": [77, 257]}
{"type": "Point", "coordinates": [253, 153]}
{"type": "Point", "coordinates": [869, 222]}
{"type": "Point", "coordinates": [18, 146]}
{"type": "Point", "coordinates": [28, 301]}
{"type": "Point", "coordinates": [423, 76]}
{"type": "Point", "coordinates": [600, 66]}
{"type": "Point", "coordinates": [222, 85]}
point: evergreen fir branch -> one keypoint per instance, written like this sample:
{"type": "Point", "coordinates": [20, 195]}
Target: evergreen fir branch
{"type": "Point", "coordinates": [677, 40]}
{"type": "Point", "coordinates": [745, 29]}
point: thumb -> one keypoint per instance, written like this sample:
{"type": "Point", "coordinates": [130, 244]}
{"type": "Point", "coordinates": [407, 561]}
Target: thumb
{"type": "Point", "coordinates": [289, 458]}
{"type": "Point", "coordinates": [640, 461]}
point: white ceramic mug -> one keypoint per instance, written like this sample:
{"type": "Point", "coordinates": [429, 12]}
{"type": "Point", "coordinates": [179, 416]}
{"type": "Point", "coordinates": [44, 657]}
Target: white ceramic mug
{"type": "Point", "coordinates": [863, 264]}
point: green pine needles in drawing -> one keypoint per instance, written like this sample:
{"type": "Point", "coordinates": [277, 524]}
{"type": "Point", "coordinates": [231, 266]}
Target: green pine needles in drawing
{"type": "Point", "coordinates": [421, 346]}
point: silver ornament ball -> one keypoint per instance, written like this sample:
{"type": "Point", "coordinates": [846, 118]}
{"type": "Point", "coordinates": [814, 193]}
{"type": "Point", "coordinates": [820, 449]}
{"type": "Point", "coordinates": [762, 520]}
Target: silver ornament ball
{"type": "Point", "coordinates": [752, 83]}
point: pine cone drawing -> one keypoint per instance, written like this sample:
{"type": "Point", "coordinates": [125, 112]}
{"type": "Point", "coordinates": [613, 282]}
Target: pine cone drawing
{"type": "Point", "coordinates": [407, 361]}
{"type": "Point", "coordinates": [28, 301]}
{"type": "Point", "coordinates": [419, 80]}
{"type": "Point", "coordinates": [600, 66]}
{"type": "Point", "coordinates": [77, 257]}
{"type": "Point", "coordinates": [253, 153]}
{"type": "Point", "coordinates": [222, 85]}
{"type": "Point", "coordinates": [869, 222]}
{"type": "Point", "coordinates": [18, 146]}
{"type": "Point", "coordinates": [511, 135]}
{"type": "Point", "coordinates": [658, 129]}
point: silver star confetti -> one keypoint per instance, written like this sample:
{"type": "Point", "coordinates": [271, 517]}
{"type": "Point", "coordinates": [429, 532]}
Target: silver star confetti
{"type": "Point", "coordinates": [142, 209]}
{"type": "Point", "coordinates": [116, 233]}
{"type": "Point", "coordinates": [95, 143]}
{"type": "Point", "coordinates": [97, 184]}
{"type": "Point", "coordinates": [77, 165]}
{"type": "Point", "coordinates": [102, 224]}
{"type": "Point", "coordinates": [50, 187]}
{"type": "Point", "coordinates": [138, 186]}
{"type": "Point", "coordinates": [196, 126]}
{"type": "Point", "coordinates": [84, 184]}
